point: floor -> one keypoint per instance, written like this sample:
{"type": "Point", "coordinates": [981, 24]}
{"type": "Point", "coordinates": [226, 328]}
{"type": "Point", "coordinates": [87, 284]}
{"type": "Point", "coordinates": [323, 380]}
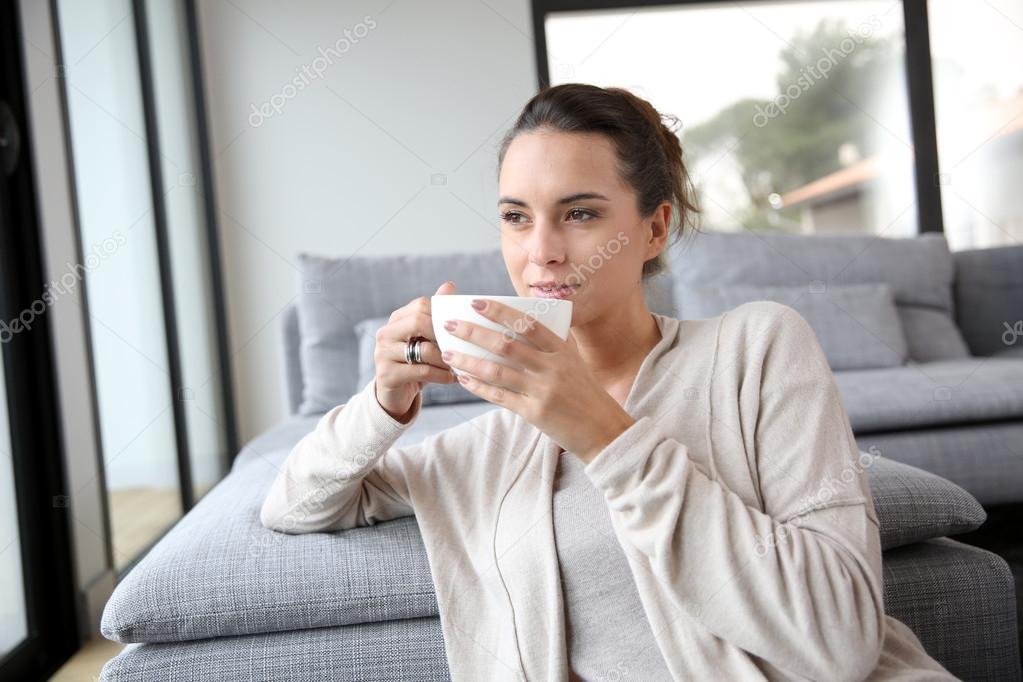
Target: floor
{"type": "Point", "coordinates": [138, 516]}
{"type": "Point", "coordinates": [85, 665]}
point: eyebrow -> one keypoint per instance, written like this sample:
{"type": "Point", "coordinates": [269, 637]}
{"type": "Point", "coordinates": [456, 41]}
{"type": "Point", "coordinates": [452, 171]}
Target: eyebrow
{"type": "Point", "coordinates": [578, 196]}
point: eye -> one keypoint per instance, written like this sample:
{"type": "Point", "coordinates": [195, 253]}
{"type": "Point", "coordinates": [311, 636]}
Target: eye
{"type": "Point", "coordinates": [510, 217]}
{"type": "Point", "coordinates": [576, 211]}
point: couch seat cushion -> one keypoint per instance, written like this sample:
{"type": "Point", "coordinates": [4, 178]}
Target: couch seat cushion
{"type": "Point", "coordinates": [939, 393]}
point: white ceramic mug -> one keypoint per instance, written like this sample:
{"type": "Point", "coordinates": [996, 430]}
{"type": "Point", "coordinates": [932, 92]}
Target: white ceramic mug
{"type": "Point", "coordinates": [555, 314]}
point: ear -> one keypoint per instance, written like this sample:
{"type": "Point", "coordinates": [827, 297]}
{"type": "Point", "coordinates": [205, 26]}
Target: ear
{"type": "Point", "coordinates": [658, 225]}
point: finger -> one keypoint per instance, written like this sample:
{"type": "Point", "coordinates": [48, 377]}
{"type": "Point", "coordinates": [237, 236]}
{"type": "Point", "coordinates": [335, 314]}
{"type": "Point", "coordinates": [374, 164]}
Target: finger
{"type": "Point", "coordinates": [400, 372]}
{"type": "Point", "coordinates": [490, 371]}
{"type": "Point", "coordinates": [446, 288]}
{"type": "Point", "coordinates": [413, 324]}
{"type": "Point", "coordinates": [523, 323]}
{"type": "Point", "coordinates": [423, 373]}
{"type": "Point", "coordinates": [493, 394]}
{"type": "Point", "coordinates": [500, 343]}
{"type": "Point", "coordinates": [428, 351]}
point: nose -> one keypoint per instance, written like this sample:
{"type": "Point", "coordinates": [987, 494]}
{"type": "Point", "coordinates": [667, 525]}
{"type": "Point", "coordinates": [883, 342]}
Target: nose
{"type": "Point", "coordinates": [546, 245]}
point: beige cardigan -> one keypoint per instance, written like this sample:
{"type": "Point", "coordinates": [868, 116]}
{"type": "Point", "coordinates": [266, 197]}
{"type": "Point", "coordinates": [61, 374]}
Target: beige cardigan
{"type": "Point", "coordinates": [739, 497]}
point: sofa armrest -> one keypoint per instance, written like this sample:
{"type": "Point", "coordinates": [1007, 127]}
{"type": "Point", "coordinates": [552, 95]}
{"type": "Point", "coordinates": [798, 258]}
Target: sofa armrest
{"type": "Point", "coordinates": [960, 602]}
{"type": "Point", "coordinates": [989, 298]}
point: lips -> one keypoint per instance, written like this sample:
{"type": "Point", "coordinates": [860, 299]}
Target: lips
{"type": "Point", "coordinates": [558, 291]}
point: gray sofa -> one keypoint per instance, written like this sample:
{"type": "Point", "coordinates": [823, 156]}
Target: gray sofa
{"type": "Point", "coordinates": [953, 403]}
{"type": "Point", "coordinates": [222, 597]}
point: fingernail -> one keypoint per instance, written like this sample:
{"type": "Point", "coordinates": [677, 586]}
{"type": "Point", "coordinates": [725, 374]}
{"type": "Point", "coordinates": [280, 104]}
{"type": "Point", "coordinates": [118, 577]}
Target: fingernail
{"type": "Point", "coordinates": [447, 355]}
{"type": "Point", "coordinates": [450, 325]}
{"type": "Point", "coordinates": [478, 304]}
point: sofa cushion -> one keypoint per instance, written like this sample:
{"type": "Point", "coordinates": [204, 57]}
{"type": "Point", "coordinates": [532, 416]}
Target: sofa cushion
{"type": "Point", "coordinates": [938, 588]}
{"type": "Point", "coordinates": [396, 650]}
{"type": "Point", "coordinates": [919, 271]}
{"type": "Point", "coordinates": [959, 601]}
{"type": "Point", "coordinates": [1013, 351]}
{"type": "Point", "coordinates": [218, 572]}
{"type": "Point", "coordinates": [856, 324]}
{"type": "Point", "coordinates": [984, 459]}
{"type": "Point", "coordinates": [433, 393]}
{"type": "Point", "coordinates": [989, 298]}
{"type": "Point", "coordinates": [946, 392]}
{"type": "Point", "coordinates": [338, 293]}
{"type": "Point", "coordinates": [915, 505]}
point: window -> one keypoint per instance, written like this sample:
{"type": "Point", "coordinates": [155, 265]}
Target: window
{"type": "Point", "coordinates": [805, 130]}
{"type": "Point", "coordinates": [977, 58]}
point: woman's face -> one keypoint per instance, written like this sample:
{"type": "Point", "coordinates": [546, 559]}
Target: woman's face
{"type": "Point", "coordinates": [567, 217]}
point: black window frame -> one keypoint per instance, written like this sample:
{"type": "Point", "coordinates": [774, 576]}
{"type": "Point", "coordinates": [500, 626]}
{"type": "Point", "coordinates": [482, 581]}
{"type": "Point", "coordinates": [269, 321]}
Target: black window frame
{"type": "Point", "coordinates": [41, 491]}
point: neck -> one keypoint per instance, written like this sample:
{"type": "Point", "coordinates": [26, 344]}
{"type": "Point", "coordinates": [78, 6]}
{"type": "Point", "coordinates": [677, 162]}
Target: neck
{"type": "Point", "coordinates": [615, 344]}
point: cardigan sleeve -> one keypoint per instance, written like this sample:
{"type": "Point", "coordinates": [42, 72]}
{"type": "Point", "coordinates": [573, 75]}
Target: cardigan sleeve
{"type": "Point", "coordinates": [344, 473]}
{"type": "Point", "coordinates": [796, 582]}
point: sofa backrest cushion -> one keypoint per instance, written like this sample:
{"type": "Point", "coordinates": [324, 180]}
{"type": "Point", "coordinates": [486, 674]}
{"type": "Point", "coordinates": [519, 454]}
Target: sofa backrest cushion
{"type": "Point", "coordinates": [857, 324]}
{"type": "Point", "coordinates": [989, 298]}
{"type": "Point", "coordinates": [919, 271]}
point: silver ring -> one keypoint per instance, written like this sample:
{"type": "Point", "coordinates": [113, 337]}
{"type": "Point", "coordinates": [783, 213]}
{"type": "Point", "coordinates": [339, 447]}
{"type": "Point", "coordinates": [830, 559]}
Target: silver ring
{"type": "Point", "coordinates": [413, 352]}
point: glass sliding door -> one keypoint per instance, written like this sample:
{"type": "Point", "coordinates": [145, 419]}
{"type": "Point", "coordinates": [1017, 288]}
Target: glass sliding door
{"type": "Point", "coordinates": [117, 225]}
{"type": "Point", "coordinates": [177, 125]}
{"type": "Point", "coordinates": [13, 617]}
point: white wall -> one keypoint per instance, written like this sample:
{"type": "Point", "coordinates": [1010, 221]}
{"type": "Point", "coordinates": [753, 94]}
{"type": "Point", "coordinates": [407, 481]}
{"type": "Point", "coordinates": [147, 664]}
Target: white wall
{"type": "Point", "coordinates": [345, 164]}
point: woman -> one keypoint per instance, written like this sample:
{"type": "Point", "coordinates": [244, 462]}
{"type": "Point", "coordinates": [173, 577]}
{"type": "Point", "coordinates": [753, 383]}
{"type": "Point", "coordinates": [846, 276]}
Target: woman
{"type": "Point", "coordinates": [659, 499]}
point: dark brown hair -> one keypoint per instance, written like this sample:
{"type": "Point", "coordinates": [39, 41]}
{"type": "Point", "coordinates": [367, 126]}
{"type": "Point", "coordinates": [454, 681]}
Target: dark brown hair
{"type": "Point", "coordinates": [649, 152]}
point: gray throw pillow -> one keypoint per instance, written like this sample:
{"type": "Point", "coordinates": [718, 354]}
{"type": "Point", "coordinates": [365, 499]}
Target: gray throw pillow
{"type": "Point", "coordinates": [914, 505]}
{"type": "Point", "coordinates": [433, 394]}
{"type": "Point", "coordinates": [857, 325]}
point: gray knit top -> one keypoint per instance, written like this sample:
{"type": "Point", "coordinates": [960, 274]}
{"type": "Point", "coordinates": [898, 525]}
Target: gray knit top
{"type": "Point", "coordinates": [607, 633]}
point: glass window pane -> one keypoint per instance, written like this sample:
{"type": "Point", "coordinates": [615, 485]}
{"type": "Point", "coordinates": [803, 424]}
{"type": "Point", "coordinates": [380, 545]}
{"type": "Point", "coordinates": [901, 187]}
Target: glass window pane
{"type": "Point", "coordinates": [794, 114]}
{"type": "Point", "coordinates": [121, 270]}
{"type": "Point", "coordinates": [977, 63]}
{"type": "Point", "coordinates": [13, 618]}
{"type": "Point", "coordinates": [187, 234]}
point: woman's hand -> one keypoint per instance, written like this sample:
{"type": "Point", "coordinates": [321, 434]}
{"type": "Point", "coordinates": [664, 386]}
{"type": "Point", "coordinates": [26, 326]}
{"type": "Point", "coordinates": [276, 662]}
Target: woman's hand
{"type": "Point", "coordinates": [397, 382]}
{"type": "Point", "coordinates": [555, 391]}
